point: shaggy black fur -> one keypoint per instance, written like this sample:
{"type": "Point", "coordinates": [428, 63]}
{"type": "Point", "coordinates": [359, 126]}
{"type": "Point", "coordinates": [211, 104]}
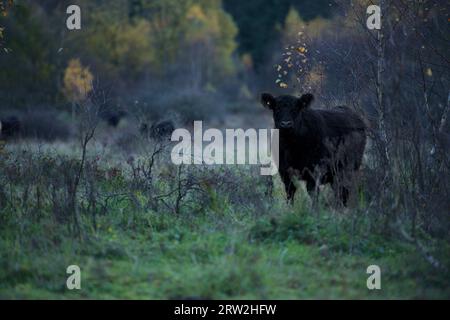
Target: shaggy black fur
{"type": "Point", "coordinates": [317, 146]}
{"type": "Point", "coordinates": [113, 118]}
{"type": "Point", "coordinates": [10, 127]}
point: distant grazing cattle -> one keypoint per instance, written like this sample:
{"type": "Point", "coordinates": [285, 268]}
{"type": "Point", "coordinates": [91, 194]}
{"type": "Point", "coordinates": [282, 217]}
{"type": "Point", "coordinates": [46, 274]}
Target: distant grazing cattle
{"type": "Point", "coordinates": [113, 118]}
{"type": "Point", "coordinates": [10, 127]}
{"type": "Point", "coordinates": [158, 131]}
{"type": "Point", "coordinates": [317, 146]}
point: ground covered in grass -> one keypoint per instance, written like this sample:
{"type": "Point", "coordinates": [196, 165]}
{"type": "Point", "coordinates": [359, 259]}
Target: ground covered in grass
{"type": "Point", "coordinates": [289, 255]}
{"type": "Point", "coordinates": [144, 229]}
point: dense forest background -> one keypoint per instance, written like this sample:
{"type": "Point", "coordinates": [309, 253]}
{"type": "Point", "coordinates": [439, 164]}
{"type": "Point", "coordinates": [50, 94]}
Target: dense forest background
{"type": "Point", "coordinates": [136, 45]}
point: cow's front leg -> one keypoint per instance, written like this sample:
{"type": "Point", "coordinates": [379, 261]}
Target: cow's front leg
{"type": "Point", "coordinates": [342, 192]}
{"type": "Point", "coordinates": [289, 186]}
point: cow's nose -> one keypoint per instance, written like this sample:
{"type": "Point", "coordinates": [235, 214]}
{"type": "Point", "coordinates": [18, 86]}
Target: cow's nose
{"type": "Point", "coordinates": [286, 124]}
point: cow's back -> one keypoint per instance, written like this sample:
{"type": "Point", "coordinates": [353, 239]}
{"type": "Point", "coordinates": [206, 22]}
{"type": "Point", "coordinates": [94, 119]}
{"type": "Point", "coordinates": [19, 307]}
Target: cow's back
{"type": "Point", "coordinates": [345, 134]}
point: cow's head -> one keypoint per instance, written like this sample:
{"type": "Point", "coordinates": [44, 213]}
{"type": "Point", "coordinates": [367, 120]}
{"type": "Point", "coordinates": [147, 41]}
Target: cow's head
{"type": "Point", "coordinates": [286, 109]}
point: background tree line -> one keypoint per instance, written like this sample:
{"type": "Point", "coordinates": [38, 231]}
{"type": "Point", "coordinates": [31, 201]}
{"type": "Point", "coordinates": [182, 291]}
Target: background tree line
{"type": "Point", "coordinates": [131, 43]}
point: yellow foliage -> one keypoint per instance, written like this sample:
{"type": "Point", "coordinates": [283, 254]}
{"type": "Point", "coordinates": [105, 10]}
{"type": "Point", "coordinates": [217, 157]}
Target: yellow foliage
{"type": "Point", "coordinates": [293, 24]}
{"type": "Point", "coordinates": [167, 32]}
{"type": "Point", "coordinates": [195, 12]}
{"type": "Point", "coordinates": [77, 81]}
{"type": "Point", "coordinates": [296, 28]}
{"type": "Point", "coordinates": [118, 47]}
{"type": "Point", "coordinates": [201, 28]}
{"type": "Point", "coordinates": [214, 29]}
{"type": "Point", "coordinates": [133, 48]}
{"type": "Point", "coordinates": [5, 5]}
{"type": "Point", "coordinates": [247, 61]}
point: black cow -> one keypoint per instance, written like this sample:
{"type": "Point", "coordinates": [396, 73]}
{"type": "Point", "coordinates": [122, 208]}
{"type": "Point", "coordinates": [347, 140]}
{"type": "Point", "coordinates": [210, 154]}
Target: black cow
{"type": "Point", "coordinates": [113, 118]}
{"type": "Point", "coordinates": [10, 127]}
{"type": "Point", "coordinates": [158, 131]}
{"type": "Point", "coordinates": [317, 146]}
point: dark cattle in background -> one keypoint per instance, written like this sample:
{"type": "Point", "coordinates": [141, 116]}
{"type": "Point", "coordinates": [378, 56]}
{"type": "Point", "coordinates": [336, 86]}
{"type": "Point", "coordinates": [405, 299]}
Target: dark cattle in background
{"type": "Point", "coordinates": [113, 118]}
{"type": "Point", "coordinates": [158, 131]}
{"type": "Point", "coordinates": [10, 127]}
{"type": "Point", "coordinates": [316, 145]}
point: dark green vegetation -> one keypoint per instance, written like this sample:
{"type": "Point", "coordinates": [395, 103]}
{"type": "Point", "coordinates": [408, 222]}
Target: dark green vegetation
{"type": "Point", "coordinates": [135, 237]}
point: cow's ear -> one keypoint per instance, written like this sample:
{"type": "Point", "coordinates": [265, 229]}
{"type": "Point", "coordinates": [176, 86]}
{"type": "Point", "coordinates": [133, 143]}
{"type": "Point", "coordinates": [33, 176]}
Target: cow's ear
{"type": "Point", "coordinates": [305, 100]}
{"type": "Point", "coordinates": [267, 100]}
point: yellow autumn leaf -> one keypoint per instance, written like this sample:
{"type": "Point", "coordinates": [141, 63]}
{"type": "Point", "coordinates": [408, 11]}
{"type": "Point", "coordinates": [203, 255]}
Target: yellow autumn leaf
{"type": "Point", "coordinates": [77, 81]}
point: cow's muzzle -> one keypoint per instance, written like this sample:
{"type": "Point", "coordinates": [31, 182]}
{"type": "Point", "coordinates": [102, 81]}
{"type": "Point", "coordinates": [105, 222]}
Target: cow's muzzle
{"type": "Point", "coordinates": [286, 124]}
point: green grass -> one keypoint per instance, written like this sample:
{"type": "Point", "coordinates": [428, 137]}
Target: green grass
{"type": "Point", "coordinates": [228, 242]}
{"type": "Point", "coordinates": [287, 256]}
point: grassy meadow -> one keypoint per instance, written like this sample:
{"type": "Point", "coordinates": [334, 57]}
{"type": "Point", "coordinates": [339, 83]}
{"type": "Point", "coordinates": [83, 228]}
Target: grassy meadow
{"type": "Point", "coordinates": [226, 238]}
